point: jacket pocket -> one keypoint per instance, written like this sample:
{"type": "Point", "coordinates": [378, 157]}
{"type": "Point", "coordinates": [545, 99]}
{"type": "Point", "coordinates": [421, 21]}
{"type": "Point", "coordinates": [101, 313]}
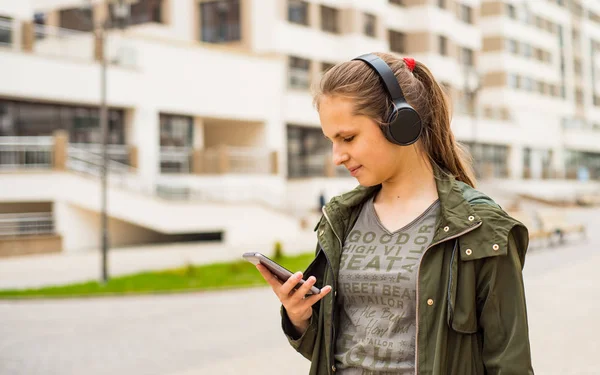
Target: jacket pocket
{"type": "Point", "coordinates": [462, 286]}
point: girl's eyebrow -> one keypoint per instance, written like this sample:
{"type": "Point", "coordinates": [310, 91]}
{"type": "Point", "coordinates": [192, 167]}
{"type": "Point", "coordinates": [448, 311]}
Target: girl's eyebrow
{"type": "Point", "coordinates": [339, 134]}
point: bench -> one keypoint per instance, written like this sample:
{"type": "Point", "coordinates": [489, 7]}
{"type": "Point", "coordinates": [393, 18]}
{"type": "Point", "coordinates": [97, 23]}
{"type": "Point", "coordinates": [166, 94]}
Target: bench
{"type": "Point", "coordinates": [555, 222]}
{"type": "Point", "coordinates": [536, 232]}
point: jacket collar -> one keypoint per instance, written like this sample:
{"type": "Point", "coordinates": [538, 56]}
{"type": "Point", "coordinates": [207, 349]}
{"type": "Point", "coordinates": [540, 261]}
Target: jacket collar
{"type": "Point", "coordinates": [456, 214]}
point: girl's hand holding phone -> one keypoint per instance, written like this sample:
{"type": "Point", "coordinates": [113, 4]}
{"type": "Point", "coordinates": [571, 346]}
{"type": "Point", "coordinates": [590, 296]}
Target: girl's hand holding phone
{"type": "Point", "coordinates": [297, 303]}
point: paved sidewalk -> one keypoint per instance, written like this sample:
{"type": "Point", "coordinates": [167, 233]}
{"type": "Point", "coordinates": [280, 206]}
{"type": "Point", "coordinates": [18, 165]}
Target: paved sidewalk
{"type": "Point", "coordinates": [238, 332]}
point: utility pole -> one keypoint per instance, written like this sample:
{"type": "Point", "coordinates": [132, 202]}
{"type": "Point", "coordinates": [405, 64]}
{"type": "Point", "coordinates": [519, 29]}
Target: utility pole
{"type": "Point", "coordinates": [121, 12]}
{"type": "Point", "coordinates": [104, 134]}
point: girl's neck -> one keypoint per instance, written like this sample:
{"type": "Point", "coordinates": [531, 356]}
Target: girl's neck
{"type": "Point", "coordinates": [414, 183]}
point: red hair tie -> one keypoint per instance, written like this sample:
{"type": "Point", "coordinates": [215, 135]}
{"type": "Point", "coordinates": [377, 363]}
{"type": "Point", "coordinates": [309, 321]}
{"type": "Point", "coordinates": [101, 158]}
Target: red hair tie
{"type": "Point", "coordinates": [410, 63]}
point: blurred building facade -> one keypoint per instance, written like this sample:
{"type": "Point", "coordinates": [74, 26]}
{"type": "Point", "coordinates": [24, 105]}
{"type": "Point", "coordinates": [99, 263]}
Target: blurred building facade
{"type": "Point", "coordinates": [210, 104]}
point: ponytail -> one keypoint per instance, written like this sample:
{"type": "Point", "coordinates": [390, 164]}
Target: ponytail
{"type": "Point", "coordinates": [437, 138]}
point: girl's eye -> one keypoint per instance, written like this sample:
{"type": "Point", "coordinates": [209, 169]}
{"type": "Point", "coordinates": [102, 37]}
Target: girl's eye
{"type": "Point", "coordinates": [349, 139]}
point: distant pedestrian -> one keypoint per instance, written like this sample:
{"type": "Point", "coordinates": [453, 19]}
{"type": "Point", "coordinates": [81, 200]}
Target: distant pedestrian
{"type": "Point", "coordinates": [321, 200]}
{"type": "Point", "coordinates": [419, 272]}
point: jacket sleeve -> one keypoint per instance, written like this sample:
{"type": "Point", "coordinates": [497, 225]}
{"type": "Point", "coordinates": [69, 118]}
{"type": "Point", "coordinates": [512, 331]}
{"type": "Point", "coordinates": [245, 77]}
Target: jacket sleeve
{"type": "Point", "coordinates": [305, 343]}
{"type": "Point", "coordinates": [503, 313]}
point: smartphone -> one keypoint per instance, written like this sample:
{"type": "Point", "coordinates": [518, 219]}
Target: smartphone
{"type": "Point", "coordinates": [276, 269]}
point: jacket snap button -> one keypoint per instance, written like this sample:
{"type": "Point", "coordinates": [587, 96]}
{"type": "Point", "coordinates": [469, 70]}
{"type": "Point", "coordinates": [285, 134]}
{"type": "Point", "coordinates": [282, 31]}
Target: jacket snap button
{"type": "Point", "coordinates": [495, 247]}
{"type": "Point", "coordinates": [471, 218]}
{"type": "Point", "coordinates": [446, 228]}
{"type": "Point", "coordinates": [469, 252]}
{"type": "Point", "coordinates": [430, 302]}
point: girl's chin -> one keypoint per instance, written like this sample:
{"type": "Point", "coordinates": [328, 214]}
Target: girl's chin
{"type": "Point", "coordinates": [367, 182]}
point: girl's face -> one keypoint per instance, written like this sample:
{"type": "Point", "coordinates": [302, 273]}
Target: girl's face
{"type": "Point", "coordinates": [358, 143]}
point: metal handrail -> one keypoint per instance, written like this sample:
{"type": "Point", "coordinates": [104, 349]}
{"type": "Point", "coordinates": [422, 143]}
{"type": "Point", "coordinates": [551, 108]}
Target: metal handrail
{"type": "Point", "coordinates": [26, 152]}
{"type": "Point", "coordinates": [56, 31]}
{"type": "Point", "coordinates": [117, 153]}
{"type": "Point", "coordinates": [24, 224]}
{"type": "Point", "coordinates": [92, 163]}
{"type": "Point", "coordinates": [26, 140]}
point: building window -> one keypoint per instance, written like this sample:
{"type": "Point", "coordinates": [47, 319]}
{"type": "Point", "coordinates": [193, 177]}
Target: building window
{"type": "Point", "coordinates": [298, 73]}
{"type": "Point", "coordinates": [539, 54]}
{"type": "Point", "coordinates": [397, 41]}
{"type": "Point", "coordinates": [527, 50]}
{"type": "Point", "coordinates": [370, 25]}
{"type": "Point", "coordinates": [20, 118]}
{"type": "Point", "coordinates": [80, 19]}
{"type": "Point", "coordinates": [513, 81]}
{"type": "Point", "coordinates": [443, 45]}
{"type": "Point", "coordinates": [6, 27]}
{"type": "Point", "coordinates": [220, 21]}
{"type": "Point", "coordinates": [308, 152]}
{"type": "Point", "coordinates": [146, 11]}
{"type": "Point", "coordinates": [513, 46]}
{"type": "Point", "coordinates": [489, 160]}
{"type": "Point", "coordinates": [466, 14]}
{"type": "Point", "coordinates": [467, 57]}
{"type": "Point", "coordinates": [329, 19]}
{"type": "Point", "coordinates": [441, 4]}
{"type": "Point", "coordinates": [176, 131]}
{"type": "Point", "coordinates": [580, 161]}
{"type": "Point", "coordinates": [39, 24]}
{"type": "Point", "coordinates": [577, 67]}
{"type": "Point", "coordinates": [527, 84]}
{"type": "Point", "coordinates": [298, 12]}
{"type": "Point", "coordinates": [468, 104]}
{"type": "Point", "coordinates": [176, 135]}
{"type": "Point", "coordinates": [511, 11]}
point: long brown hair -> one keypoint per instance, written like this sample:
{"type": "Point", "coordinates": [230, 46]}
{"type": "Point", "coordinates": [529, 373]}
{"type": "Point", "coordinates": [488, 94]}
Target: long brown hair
{"type": "Point", "coordinates": [357, 81]}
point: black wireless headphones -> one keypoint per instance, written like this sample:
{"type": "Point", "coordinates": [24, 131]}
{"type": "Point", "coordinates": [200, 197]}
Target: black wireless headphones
{"type": "Point", "coordinates": [404, 124]}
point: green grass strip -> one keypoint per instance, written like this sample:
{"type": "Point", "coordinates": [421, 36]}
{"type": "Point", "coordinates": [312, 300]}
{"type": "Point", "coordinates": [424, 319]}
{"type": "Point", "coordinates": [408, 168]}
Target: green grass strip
{"type": "Point", "coordinates": [237, 274]}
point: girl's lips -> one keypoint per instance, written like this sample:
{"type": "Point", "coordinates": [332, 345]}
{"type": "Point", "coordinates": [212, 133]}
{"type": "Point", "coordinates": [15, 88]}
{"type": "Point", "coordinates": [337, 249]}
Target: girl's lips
{"type": "Point", "coordinates": [355, 170]}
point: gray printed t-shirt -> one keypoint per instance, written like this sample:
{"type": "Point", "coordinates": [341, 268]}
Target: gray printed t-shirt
{"type": "Point", "coordinates": [377, 293]}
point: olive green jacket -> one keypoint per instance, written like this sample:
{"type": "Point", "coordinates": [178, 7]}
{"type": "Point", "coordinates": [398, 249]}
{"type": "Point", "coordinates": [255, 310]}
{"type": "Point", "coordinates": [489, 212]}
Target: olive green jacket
{"type": "Point", "coordinates": [471, 313]}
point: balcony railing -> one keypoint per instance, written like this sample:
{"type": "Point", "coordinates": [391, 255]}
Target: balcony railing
{"type": "Point", "coordinates": [26, 224]}
{"type": "Point", "coordinates": [58, 42]}
{"type": "Point", "coordinates": [26, 152]}
{"type": "Point", "coordinates": [237, 160]}
{"type": "Point", "coordinates": [175, 159]}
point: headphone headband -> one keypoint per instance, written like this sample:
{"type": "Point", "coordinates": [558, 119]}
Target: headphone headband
{"type": "Point", "coordinates": [387, 75]}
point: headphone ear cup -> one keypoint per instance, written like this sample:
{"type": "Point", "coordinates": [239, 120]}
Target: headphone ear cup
{"type": "Point", "coordinates": [404, 125]}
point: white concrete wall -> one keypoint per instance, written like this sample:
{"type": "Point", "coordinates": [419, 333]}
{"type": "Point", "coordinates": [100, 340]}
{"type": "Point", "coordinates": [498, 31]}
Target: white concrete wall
{"type": "Point", "coordinates": [21, 9]}
{"type": "Point", "coordinates": [77, 202]}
